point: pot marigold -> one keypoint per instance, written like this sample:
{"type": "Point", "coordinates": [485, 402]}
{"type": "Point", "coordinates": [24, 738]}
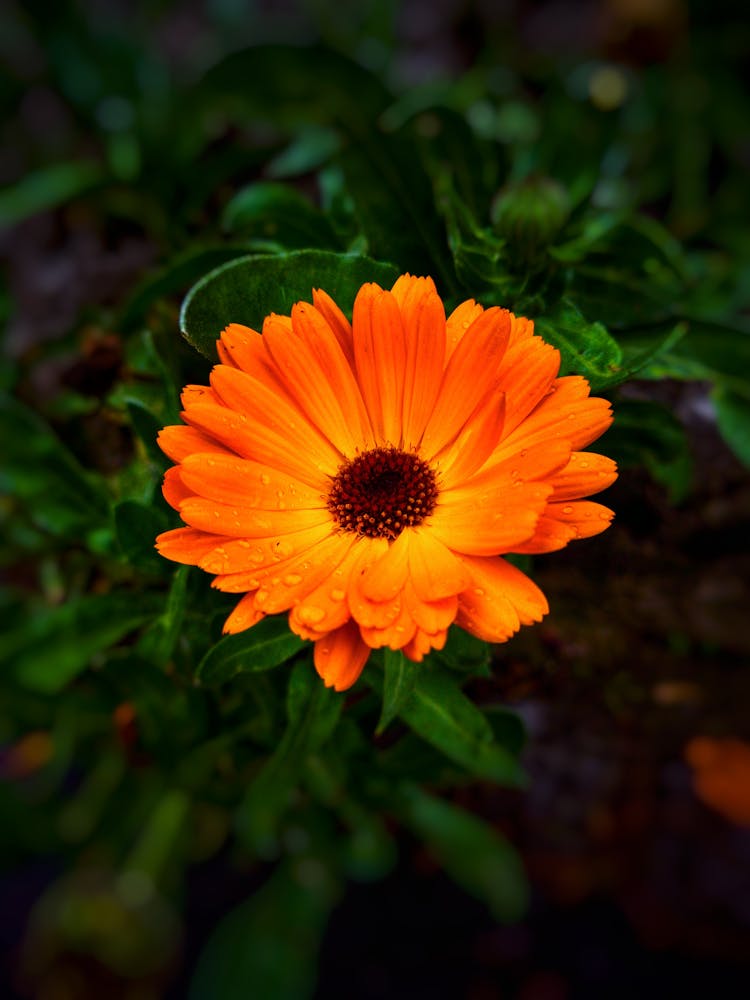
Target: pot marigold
{"type": "Point", "coordinates": [367, 477]}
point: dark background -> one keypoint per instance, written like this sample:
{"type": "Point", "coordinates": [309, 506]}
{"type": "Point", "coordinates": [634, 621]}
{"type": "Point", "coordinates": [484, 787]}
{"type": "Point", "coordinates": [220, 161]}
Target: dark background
{"type": "Point", "coordinates": [639, 887]}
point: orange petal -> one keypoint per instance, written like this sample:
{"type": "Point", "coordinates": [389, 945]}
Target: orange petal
{"type": "Point", "coordinates": [480, 436]}
{"type": "Point", "coordinates": [384, 579]}
{"type": "Point", "coordinates": [423, 642]}
{"type": "Point", "coordinates": [567, 412]}
{"type": "Point", "coordinates": [244, 616]}
{"type": "Point", "coordinates": [244, 555]}
{"type": "Point", "coordinates": [434, 570]}
{"type": "Point", "coordinates": [173, 488]}
{"type": "Point", "coordinates": [265, 408]}
{"type": "Point", "coordinates": [488, 487]}
{"type": "Point", "coordinates": [179, 441]}
{"type": "Point", "coordinates": [252, 437]}
{"type": "Point", "coordinates": [334, 317]}
{"type": "Point", "coordinates": [562, 522]}
{"type": "Point", "coordinates": [193, 394]}
{"type": "Point", "coordinates": [521, 328]}
{"type": "Point", "coordinates": [459, 322]}
{"type": "Point", "coordinates": [471, 373]}
{"type": "Point", "coordinates": [240, 481]}
{"type": "Point", "coordinates": [500, 600]}
{"type": "Point", "coordinates": [340, 656]}
{"type": "Point", "coordinates": [243, 522]}
{"type": "Point", "coordinates": [380, 355]}
{"type": "Point", "coordinates": [395, 634]}
{"type": "Point", "coordinates": [424, 325]}
{"type": "Point", "coordinates": [282, 588]}
{"type": "Point", "coordinates": [336, 370]}
{"type": "Point", "coordinates": [527, 373]}
{"type": "Point", "coordinates": [369, 613]}
{"type": "Point", "coordinates": [186, 545]}
{"type": "Point", "coordinates": [330, 597]}
{"type": "Point", "coordinates": [495, 528]}
{"type": "Point", "coordinates": [585, 473]}
{"type": "Point", "coordinates": [430, 616]}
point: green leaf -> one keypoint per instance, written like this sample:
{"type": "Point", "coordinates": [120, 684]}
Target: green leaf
{"type": "Point", "coordinates": [268, 946]}
{"type": "Point", "coordinates": [646, 434]}
{"type": "Point", "coordinates": [474, 854]}
{"type": "Point", "coordinates": [47, 188]}
{"type": "Point", "coordinates": [279, 213]}
{"type": "Point", "coordinates": [136, 528]}
{"type": "Point", "coordinates": [175, 279]}
{"type": "Point", "coordinates": [441, 714]}
{"type": "Point", "coordinates": [247, 290]}
{"type": "Point", "coordinates": [464, 653]}
{"type": "Point", "coordinates": [313, 711]}
{"type": "Point", "coordinates": [47, 650]}
{"type": "Point", "coordinates": [733, 418]}
{"type": "Point", "coordinates": [159, 640]}
{"type": "Point", "coordinates": [311, 148]}
{"type": "Point", "coordinates": [586, 348]}
{"type": "Point", "coordinates": [58, 494]}
{"type": "Point", "coordinates": [147, 428]}
{"type": "Point", "coordinates": [262, 647]}
{"type": "Point", "coordinates": [398, 685]}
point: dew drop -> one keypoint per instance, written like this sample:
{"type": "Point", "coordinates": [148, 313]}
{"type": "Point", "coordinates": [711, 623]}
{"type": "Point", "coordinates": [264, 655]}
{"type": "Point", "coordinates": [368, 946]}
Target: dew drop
{"type": "Point", "coordinates": [292, 579]}
{"type": "Point", "coordinates": [309, 614]}
{"type": "Point", "coordinates": [337, 595]}
{"type": "Point", "coordinates": [243, 543]}
{"type": "Point", "coordinates": [260, 597]}
{"type": "Point", "coordinates": [265, 479]}
{"type": "Point", "coordinates": [479, 592]}
{"type": "Point", "coordinates": [585, 465]}
{"type": "Point", "coordinates": [567, 509]}
{"type": "Point", "coordinates": [281, 550]}
{"type": "Point", "coordinates": [256, 556]}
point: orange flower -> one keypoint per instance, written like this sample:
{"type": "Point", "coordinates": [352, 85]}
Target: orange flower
{"type": "Point", "coordinates": [366, 477]}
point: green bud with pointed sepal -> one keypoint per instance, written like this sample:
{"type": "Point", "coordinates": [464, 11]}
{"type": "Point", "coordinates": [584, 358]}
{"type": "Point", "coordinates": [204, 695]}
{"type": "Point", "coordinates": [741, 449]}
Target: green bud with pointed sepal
{"type": "Point", "coordinates": [529, 214]}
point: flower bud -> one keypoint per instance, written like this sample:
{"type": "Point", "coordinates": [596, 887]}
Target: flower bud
{"type": "Point", "coordinates": [529, 214]}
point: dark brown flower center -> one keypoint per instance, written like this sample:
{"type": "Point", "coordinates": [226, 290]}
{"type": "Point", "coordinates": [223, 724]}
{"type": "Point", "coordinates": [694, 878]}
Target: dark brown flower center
{"type": "Point", "coordinates": [381, 492]}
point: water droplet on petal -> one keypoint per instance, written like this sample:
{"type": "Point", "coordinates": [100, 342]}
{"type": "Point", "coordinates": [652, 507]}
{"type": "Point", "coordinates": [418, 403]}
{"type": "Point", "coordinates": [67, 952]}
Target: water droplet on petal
{"type": "Point", "coordinates": [281, 549]}
{"type": "Point", "coordinates": [292, 579]}
{"type": "Point", "coordinates": [309, 614]}
{"type": "Point", "coordinates": [337, 595]}
{"type": "Point", "coordinates": [265, 479]}
{"type": "Point", "coordinates": [567, 509]}
{"type": "Point", "coordinates": [479, 592]}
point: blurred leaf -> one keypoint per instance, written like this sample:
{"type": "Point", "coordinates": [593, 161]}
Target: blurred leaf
{"type": "Point", "coordinates": [311, 148]}
{"type": "Point", "coordinates": [313, 711]}
{"type": "Point", "coordinates": [394, 204]}
{"type": "Point", "coordinates": [586, 348]}
{"type": "Point", "coordinates": [733, 418]}
{"type": "Point", "coordinates": [710, 351]}
{"type": "Point", "coordinates": [474, 854]}
{"type": "Point", "coordinates": [507, 727]}
{"type": "Point", "coordinates": [441, 714]}
{"type": "Point", "coordinates": [645, 434]}
{"type": "Point", "coordinates": [136, 527]}
{"type": "Point", "coordinates": [273, 82]}
{"type": "Point", "coordinates": [247, 290]}
{"type": "Point", "coordinates": [47, 188]}
{"type": "Point", "coordinates": [54, 645]}
{"type": "Point", "coordinates": [158, 641]}
{"type": "Point", "coordinates": [465, 653]}
{"type": "Point", "coordinates": [37, 468]}
{"type": "Point", "coordinates": [280, 213]}
{"type": "Point", "coordinates": [268, 946]}
{"type": "Point", "coordinates": [262, 647]}
{"type": "Point", "coordinates": [147, 427]}
{"type": "Point", "coordinates": [398, 684]}
{"type": "Point", "coordinates": [174, 279]}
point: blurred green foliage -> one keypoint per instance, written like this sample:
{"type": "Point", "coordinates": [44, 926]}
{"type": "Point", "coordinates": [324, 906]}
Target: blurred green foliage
{"type": "Point", "coordinates": [600, 195]}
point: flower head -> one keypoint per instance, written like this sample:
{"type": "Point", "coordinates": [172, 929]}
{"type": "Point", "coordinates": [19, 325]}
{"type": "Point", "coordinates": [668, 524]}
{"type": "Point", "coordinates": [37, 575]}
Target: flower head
{"type": "Point", "coordinates": [367, 477]}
